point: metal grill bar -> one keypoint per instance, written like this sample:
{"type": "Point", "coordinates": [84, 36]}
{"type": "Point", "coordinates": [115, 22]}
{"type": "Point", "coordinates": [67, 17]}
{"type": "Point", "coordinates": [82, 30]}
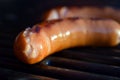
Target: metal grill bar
{"type": "Point", "coordinates": [63, 68]}
{"type": "Point", "coordinates": [85, 66]}
{"type": "Point", "coordinates": [111, 58]}
{"type": "Point", "coordinates": [15, 75]}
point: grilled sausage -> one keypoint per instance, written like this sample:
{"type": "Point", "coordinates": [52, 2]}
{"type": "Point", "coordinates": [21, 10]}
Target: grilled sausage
{"type": "Point", "coordinates": [34, 44]}
{"type": "Point", "coordinates": [83, 12]}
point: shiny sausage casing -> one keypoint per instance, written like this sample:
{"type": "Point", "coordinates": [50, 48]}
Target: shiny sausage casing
{"type": "Point", "coordinates": [34, 44]}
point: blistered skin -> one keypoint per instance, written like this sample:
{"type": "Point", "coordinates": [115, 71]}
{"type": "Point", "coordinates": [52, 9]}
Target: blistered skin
{"type": "Point", "coordinates": [34, 44]}
{"type": "Point", "coordinates": [83, 12]}
{"type": "Point", "coordinates": [31, 45]}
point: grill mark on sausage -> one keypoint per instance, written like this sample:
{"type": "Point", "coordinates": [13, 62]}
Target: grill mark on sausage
{"type": "Point", "coordinates": [51, 22]}
{"type": "Point", "coordinates": [98, 18]}
{"type": "Point", "coordinates": [36, 29]}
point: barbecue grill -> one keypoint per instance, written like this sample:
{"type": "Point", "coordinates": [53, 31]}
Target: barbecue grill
{"type": "Point", "coordinates": [86, 63]}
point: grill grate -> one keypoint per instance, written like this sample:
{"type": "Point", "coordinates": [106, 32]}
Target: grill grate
{"type": "Point", "coordinates": [77, 63]}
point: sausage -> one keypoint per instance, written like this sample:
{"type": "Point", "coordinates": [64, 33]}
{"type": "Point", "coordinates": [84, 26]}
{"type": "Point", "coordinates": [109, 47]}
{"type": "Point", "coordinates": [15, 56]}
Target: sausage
{"type": "Point", "coordinates": [83, 12]}
{"type": "Point", "coordinates": [34, 44]}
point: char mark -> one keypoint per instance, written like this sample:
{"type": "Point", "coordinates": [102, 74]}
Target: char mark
{"type": "Point", "coordinates": [36, 29]}
{"type": "Point", "coordinates": [52, 22]}
{"type": "Point", "coordinates": [74, 18]}
{"type": "Point", "coordinates": [98, 18]}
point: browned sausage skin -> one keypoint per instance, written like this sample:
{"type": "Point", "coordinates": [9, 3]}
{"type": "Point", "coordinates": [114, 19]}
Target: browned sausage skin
{"type": "Point", "coordinates": [34, 44]}
{"type": "Point", "coordinates": [84, 12]}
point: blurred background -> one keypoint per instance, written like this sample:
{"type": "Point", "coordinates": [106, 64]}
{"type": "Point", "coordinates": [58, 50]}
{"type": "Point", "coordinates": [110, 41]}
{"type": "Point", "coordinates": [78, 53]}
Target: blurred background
{"type": "Point", "coordinates": [25, 13]}
{"type": "Point", "coordinates": [22, 13]}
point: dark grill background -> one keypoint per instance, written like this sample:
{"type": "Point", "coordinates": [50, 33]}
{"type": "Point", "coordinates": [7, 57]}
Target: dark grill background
{"type": "Point", "coordinates": [77, 63]}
